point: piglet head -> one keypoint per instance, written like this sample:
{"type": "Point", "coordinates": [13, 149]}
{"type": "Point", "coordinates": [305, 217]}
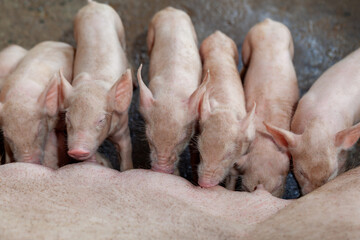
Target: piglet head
{"type": "Point", "coordinates": [224, 138]}
{"type": "Point", "coordinates": [93, 111]}
{"type": "Point", "coordinates": [265, 165]}
{"type": "Point", "coordinates": [169, 125]}
{"type": "Point", "coordinates": [317, 155]}
{"type": "Point", "coordinates": [26, 123]}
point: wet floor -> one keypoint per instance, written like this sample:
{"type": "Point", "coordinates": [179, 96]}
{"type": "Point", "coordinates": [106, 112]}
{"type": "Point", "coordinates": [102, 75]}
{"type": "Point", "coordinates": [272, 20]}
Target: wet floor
{"type": "Point", "coordinates": [323, 31]}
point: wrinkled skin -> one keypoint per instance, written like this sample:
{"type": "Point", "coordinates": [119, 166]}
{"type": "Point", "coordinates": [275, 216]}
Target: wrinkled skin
{"type": "Point", "coordinates": [330, 212]}
{"type": "Point", "coordinates": [28, 117]}
{"type": "Point", "coordinates": [96, 104]}
{"type": "Point", "coordinates": [270, 81]}
{"type": "Point", "coordinates": [9, 59]}
{"type": "Point", "coordinates": [117, 203]}
{"type": "Point", "coordinates": [60, 204]}
{"type": "Point", "coordinates": [226, 129]}
{"type": "Point", "coordinates": [169, 105]}
{"type": "Point", "coordinates": [321, 130]}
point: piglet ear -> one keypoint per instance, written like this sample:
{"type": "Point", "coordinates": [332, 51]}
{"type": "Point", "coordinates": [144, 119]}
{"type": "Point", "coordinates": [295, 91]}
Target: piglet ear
{"type": "Point", "coordinates": [196, 97]}
{"type": "Point", "coordinates": [345, 139]}
{"type": "Point", "coordinates": [120, 94]}
{"type": "Point", "coordinates": [49, 97]}
{"type": "Point", "coordinates": [146, 97]}
{"type": "Point", "coordinates": [205, 109]}
{"type": "Point", "coordinates": [247, 125]}
{"type": "Point", "coordinates": [283, 138]}
{"type": "Point", "coordinates": [65, 91]}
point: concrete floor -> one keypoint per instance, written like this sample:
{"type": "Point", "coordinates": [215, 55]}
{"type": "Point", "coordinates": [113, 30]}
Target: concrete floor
{"type": "Point", "coordinates": [323, 31]}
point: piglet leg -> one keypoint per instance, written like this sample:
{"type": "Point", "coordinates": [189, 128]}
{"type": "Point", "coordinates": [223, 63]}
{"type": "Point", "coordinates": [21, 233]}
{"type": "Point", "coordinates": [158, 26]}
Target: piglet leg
{"type": "Point", "coordinates": [122, 142]}
{"type": "Point", "coordinates": [51, 152]}
{"type": "Point", "coordinates": [230, 183]}
{"type": "Point", "coordinates": [8, 153]}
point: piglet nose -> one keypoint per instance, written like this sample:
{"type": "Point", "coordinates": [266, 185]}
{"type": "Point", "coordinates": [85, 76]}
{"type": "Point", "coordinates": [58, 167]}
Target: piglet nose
{"type": "Point", "coordinates": [207, 183]}
{"type": "Point", "coordinates": [79, 153]}
{"type": "Point", "coordinates": [163, 169]}
{"type": "Point", "coordinates": [259, 187]}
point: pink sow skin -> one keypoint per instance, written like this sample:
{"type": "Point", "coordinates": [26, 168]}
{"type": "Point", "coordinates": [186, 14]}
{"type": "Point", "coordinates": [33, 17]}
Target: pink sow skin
{"type": "Point", "coordinates": [270, 81]}
{"type": "Point", "coordinates": [97, 103]}
{"type": "Point", "coordinates": [169, 106]}
{"type": "Point", "coordinates": [29, 103]}
{"type": "Point", "coordinates": [128, 205]}
{"type": "Point", "coordinates": [322, 128]}
{"type": "Point", "coordinates": [133, 205]}
{"type": "Point", "coordinates": [226, 129]}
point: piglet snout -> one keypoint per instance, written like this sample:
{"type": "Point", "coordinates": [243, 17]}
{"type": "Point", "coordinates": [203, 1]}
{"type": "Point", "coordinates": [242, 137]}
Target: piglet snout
{"type": "Point", "coordinates": [162, 169]}
{"type": "Point", "coordinates": [259, 187]}
{"type": "Point", "coordinates": [164, 164]}
{"type": "Point", "coordinates": [207, 182]}
{"type": "Point", "coordinates": [79, 153]}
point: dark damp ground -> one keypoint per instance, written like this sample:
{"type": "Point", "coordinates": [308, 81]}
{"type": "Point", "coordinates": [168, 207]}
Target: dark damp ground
{"type": "Point", "coordinates": [323, 31]}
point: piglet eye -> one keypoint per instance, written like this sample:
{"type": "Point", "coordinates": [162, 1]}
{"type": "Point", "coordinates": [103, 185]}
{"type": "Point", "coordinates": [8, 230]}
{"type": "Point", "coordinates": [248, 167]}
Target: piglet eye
{"type": "Point", "coordinates": [302, 173]}
{"type": "Point", "coordinates": [101, 123]}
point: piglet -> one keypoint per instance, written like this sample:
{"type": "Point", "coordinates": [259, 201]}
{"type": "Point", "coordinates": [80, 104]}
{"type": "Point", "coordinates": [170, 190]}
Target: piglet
{"type": "Point", "coordinates": [225, 128]}
{"type": "Point", "coordinates": [9, 59]}
{"type": "Point", "coordinates": [321, 130]}
{"type": "Point", "coordinates": [169, 106]}
{"type": "Point", "coordinates": [270, 81]}
{"type": "Point", "coordinates": [97, 103]}
{"type": "Point", "coordinates": [29, 100]}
